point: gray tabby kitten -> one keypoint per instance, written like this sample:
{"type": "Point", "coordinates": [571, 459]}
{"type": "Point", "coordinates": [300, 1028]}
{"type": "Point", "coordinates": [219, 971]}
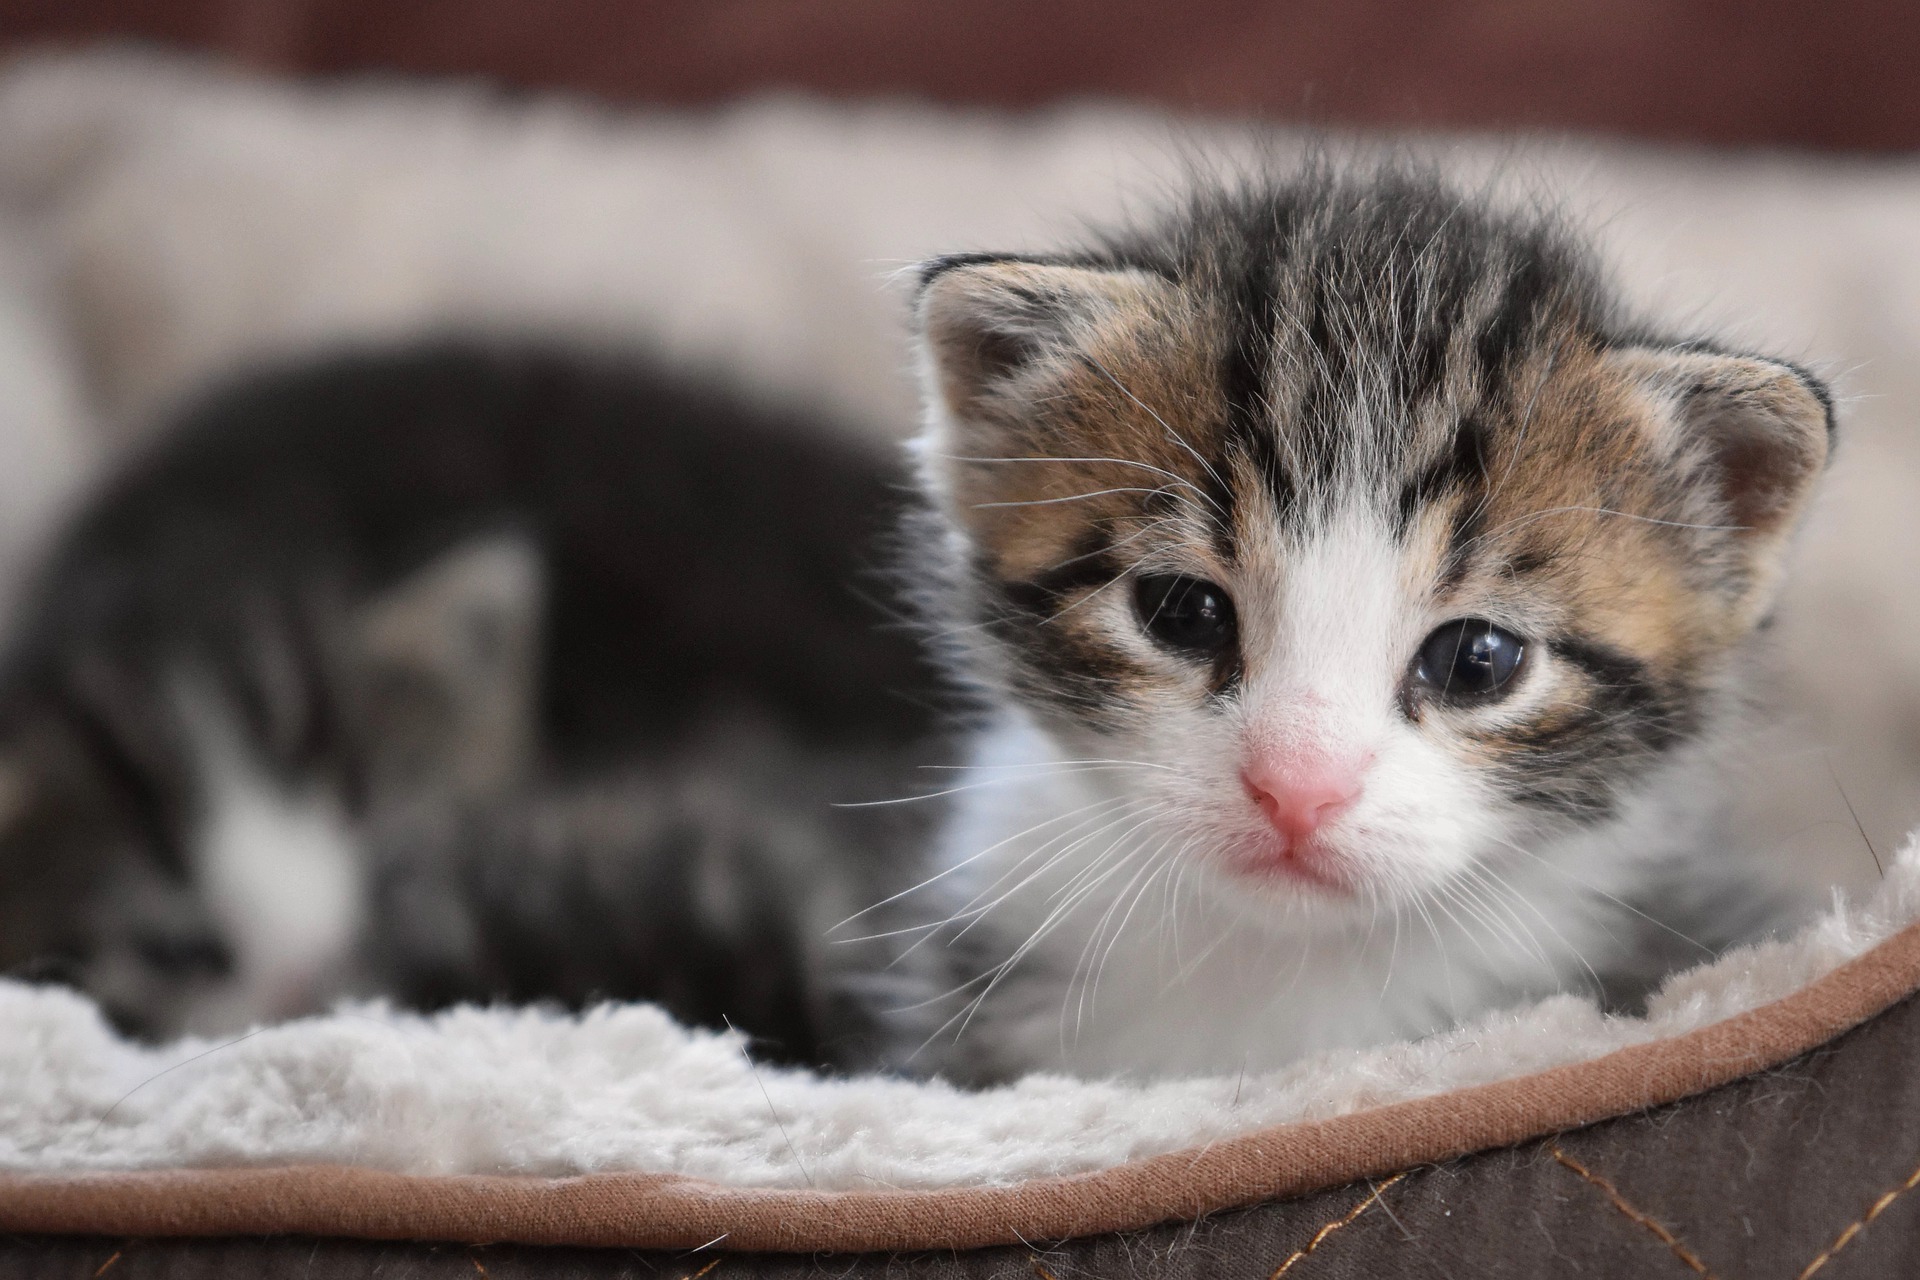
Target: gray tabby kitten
{"type": "Point", "coordinates": [465, 673]}
{"type": "Point", "coordinates": [1368, 604]}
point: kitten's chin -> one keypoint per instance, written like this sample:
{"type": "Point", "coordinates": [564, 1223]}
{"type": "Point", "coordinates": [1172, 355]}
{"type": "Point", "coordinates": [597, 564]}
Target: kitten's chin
{"type": "Point", "coordinates": [1289, 865]}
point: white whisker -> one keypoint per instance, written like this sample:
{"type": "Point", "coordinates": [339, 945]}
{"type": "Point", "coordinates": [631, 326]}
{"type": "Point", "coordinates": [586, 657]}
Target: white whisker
{"type": "Point", "coordinates": [962, 864]}
{"type": "Point", "coordinates": [1619, 902]}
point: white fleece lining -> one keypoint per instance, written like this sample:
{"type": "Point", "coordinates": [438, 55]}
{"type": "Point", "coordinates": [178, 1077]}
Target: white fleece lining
{"type": "Point", "coordinates": [623, 1088]}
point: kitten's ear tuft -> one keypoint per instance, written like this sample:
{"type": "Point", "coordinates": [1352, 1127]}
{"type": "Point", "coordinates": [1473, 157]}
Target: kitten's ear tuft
{"type": "Point", "coordinates": [448, 665]}
{"type": "Point", "coordinates": [1758, 430]}
{"type": "Point", "coordinates": [984, 322]}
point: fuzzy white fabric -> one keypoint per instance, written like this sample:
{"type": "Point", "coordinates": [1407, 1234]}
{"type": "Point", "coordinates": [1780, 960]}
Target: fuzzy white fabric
{"type": "Point", "coordinates": [161, 222]}
{"type": "Point", "coordinates": [624, 1088]}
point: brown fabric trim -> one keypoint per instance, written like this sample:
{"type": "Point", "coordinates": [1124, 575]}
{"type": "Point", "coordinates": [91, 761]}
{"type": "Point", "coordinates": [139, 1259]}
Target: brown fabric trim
{"type": "Point", "coordinates": [664, 1211]}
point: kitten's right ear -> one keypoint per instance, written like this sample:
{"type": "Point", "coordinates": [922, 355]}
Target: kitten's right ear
{"type": "Point", "coordinates": [1750, 433]}
{"type": "Point", "coordinates": [1755, 431]}
{"type": "Point", "coordinates": [448, 662]}
{"type": "Point", "coordinates": [992, 328]}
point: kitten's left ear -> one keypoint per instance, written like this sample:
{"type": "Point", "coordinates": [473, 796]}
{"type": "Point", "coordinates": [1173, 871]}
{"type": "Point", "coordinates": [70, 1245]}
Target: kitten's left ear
{"type": "Point", "coordinates": [447, 665]}
{"type": "Point", "coordinates": [1755, 432]}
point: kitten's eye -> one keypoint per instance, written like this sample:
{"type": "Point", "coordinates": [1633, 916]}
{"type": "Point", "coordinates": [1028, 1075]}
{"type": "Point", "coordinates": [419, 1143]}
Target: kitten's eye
{"type": "Point", "coordinates": [1191, 614]}
{"type": "Point", "coordinates": [1469, 659]}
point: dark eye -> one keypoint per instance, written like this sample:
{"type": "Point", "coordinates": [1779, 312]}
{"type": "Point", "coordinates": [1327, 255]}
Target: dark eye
{"type": "Point", "coordinates": [1190, 614]}
{"type": "Point", "coordinates": [1469, 659]}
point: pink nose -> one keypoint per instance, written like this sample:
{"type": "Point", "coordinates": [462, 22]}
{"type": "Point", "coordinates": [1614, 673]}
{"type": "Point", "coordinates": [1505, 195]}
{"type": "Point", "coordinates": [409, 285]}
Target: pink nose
{"type": "Point", "coordinates": [1301, 796]}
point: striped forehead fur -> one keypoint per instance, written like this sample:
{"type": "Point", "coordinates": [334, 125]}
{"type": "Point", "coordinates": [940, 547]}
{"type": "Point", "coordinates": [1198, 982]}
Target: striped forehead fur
{"type": "Point", "coordinates": [1326, 294]}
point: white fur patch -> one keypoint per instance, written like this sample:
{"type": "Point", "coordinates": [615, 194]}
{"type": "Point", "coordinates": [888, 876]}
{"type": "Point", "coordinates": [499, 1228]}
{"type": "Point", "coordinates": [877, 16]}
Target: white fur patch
{"type": "Point", "coordinates": [283, 875]}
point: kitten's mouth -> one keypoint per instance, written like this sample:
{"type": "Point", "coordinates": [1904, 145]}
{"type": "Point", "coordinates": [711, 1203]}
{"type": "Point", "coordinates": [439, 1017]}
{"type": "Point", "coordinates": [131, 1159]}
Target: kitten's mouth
{"type": "Point", "coordinates": [1308, 862]}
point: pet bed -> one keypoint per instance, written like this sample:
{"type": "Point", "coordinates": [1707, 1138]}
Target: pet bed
{"type": "Point", "coordinates": [1763, 1120]}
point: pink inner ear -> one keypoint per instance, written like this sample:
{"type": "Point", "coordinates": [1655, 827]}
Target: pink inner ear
{"type": "Point", "coordinates": [1757, 429]}
{"type": "Point", "coordinates": [1762, 466]}
{"type": "Point", "coordinates": [1301, 791]}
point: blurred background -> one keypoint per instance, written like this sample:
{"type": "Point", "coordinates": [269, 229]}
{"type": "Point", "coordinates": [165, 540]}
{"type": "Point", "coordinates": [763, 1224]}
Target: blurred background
{"type": "Point", "coordinates": [189, 185]}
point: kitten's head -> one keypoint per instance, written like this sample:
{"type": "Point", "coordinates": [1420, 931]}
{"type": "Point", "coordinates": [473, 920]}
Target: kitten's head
{"type": "Point", "coordinates": [1354, 515]}
{"type": "Point", "coordinates": [181, 810]}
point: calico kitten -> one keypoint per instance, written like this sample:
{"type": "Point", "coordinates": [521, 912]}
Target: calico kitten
{"type": "Point", "coordinates": [1367, 602]}
{"type": "Point", "coordinates": [463, 672]}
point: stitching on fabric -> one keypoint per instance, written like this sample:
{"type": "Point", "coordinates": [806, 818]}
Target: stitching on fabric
{"type": "Point", "coordinates": [1331, 1227]}
{"type": "Point", "coordinates": [1845, 1238]}
{"type": "Point", "coordinates": [1634, 1215]}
